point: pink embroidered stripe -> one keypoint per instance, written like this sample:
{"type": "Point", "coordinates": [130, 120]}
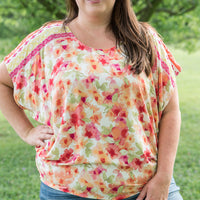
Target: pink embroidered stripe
{"type": "Point", "coordinates": [26, 40]}
{"type": "Point", "coordinates": [36, 50]}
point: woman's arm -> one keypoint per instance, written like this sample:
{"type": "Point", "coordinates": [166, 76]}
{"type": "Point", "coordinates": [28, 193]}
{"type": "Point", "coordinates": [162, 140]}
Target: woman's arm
{"type": "Point", "coordinates": [16, 116]}
{"type": "Point", "coordinates": [157, 187]}
{"type": "Point", "coordinates": [169, 137]}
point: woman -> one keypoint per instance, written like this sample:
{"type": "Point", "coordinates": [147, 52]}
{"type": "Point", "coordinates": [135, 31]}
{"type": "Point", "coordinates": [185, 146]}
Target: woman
{"type": "Point", "coordinates": [104, 89]}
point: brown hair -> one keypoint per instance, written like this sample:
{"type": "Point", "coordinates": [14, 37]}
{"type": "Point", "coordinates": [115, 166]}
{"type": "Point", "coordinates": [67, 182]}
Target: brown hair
{"type": "Point", "coordinates": [131, 35]}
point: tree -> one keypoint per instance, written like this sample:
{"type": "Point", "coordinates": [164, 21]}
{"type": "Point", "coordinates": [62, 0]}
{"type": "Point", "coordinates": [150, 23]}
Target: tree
{"type": "Point", "coordinates": [177, 21]}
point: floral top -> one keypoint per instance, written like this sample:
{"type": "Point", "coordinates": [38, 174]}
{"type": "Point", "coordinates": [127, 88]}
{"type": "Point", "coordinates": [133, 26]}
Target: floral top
{"type": "Point", "coordinates": [105, 118]}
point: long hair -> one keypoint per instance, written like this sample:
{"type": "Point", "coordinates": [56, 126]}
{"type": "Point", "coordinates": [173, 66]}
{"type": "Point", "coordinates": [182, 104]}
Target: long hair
{"type": "Point", "coordinates": [131, 35]}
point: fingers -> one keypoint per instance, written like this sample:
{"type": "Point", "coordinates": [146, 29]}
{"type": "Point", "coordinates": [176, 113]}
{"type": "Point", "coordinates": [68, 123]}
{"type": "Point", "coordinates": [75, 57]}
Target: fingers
{"type": "Point", "coordinates": [46, 129]}
{"type": "Point", "coordinates": [38, 135]}
{"type": "Point", "coordinates": [40, 143]}
{"type": "Point", "coordinates": [143, 194]}
{"type": "Point", "coordinates": [45, 133]}
{"type": "Point", "coordinates": [45, 136]}
{"type": "Point", "coordinates": [41, 140]}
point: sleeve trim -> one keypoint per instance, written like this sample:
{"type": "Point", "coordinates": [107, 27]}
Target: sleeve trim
{"type": "Point", "coordinates": [176, 67]}
{"type": "Point", "coordinates": [35, 51]}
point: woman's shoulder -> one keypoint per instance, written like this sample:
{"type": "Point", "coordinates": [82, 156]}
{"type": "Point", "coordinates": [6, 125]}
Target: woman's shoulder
{"type": "Point", "coordinates": [50, 28]}
{"type": "Point", "coordinates": [35, 41]}
{"type": "Point", "coordinates": [44, 34]}
{"type": "Point", "coordinates": [56, 25]}
{"type": "Point", "coordinates": [153, 34]}
{"type": "Point", "coordinates": [46, 30]}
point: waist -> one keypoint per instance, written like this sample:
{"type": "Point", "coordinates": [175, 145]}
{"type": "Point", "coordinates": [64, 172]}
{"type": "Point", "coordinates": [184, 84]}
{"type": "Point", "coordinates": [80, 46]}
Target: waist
{"type": "Point", "coordinates": [100, 181]}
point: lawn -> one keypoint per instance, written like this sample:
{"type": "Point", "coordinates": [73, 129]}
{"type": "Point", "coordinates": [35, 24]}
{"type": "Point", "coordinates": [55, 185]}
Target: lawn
{"type": "Point", "coordinates": [187, 168]}
{"type": "Point", "coordinates": [20, 179]}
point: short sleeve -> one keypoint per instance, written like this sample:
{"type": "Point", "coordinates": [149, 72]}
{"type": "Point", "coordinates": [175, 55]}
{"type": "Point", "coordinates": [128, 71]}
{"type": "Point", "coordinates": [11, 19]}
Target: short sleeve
{"type": "Point", "coordinates": [164, 72]}
{"type": "Point", "coordinates": [27, 71]}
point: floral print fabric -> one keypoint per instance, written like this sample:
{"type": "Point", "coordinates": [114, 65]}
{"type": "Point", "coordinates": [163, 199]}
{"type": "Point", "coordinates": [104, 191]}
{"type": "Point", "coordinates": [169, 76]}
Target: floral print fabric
{"type": "Point", "coordinates": [105, 118]}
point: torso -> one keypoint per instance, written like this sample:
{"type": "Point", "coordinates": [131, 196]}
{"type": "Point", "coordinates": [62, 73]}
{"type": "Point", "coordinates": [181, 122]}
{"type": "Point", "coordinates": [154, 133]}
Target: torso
{"type": "Point", "coordinates": [95, 106]}
{"type": "Point", "coordinates": [105, 118]}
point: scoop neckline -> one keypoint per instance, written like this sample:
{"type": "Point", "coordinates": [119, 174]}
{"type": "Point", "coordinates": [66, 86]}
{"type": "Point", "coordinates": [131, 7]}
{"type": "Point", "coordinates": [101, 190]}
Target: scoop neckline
{"type": "Point", "coordinates": [111, 49]}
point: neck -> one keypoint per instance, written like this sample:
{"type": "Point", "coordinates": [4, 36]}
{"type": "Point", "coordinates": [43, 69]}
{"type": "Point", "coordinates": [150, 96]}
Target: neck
{"type": "Point", "coordinates": [98, 23]}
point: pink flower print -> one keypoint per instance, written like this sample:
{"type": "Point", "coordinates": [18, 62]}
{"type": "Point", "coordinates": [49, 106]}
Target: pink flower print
{"type": "Point", "coordinates": [96, 172]}
{"type": "Point", "coordinates": [108, 96]}
{"type": "Point", "coordinates": [67, 156]}
{"type": "Point", "coordinates": [89, 189]}
{"type": "Point", "coordinates": [57, 52]}
{"type": "Point", "coordinates": [87, 82]}
{"type": "Point", "coordinates": [165, 79]}
{"type": "Point", "coordinates": [141, 117]}
{"type": "Point", "coordinates": [51, 83]}
{"type": "Point", "coordinates": [20, 82]}
{"type": "Point", "coordinates": [81, 47]}
{"type": "Point", "coordinates": [116, 110]}
{"type": "Point", "coordinates": [37, 67]}
{"type": "Point", "coordinates": [119, 174]}
{"type": "Point", "coordinates": [64, 47]}
{"type": "Point", "coordinates": [165, 67]}
{"type": "Point", "coordinates": [121, 120]}
{"type": "Point", "coordinates": [66, 141]}
{"type": "Point", "coordinates": [116, 70]}
{"type": "Point", "coordinates": [119, 133]}
{"type": "Point", "coordinates": [92, 132]}
{"type": "Point", "coordinates": [77, 116]}
{"type": "Point", "coordinates": [37, 116]}
{"type": "Point", "coordinates": [48, 122]}
{"type": "Point", "coordinates": [83, 99]}
{"type": "Point", "coordinates": [113, 150]}
{"type": "Point", "coordinates": [64, 65]}
{"type": "Point", "coordinates": [92, 78]}
{"type": "Point", "coordinates": [57, 66]}
{"type": "Point", "coordinates": [141, 107]}
{"type": "Point", "coordinates": [147, 156]}
{"type": "Point", "coordinates": [116, 67]}
{"type": "Point", "coordinates": [44, 88]}
{"type": "Point", "coordinates": [36, 86]}
{"type": "Point", "coordinates": [59, 41]}
{"type": "Point", "coordinates": [148, 127]}
{"type": "Point", "coordinates": [124, 159]}
{"type": "Point", "coordinates": [103, 59]}
{"type": "Point", "coordinates": [154, 68]}
{"type": "Point", "coordinates": [113, 188]}
{"type": "Point", "coordinates": [76, 119]}
{"type": "Point", "coordinates": [158, 54]}
{"type": "Point", "coordinates": [137, 164]}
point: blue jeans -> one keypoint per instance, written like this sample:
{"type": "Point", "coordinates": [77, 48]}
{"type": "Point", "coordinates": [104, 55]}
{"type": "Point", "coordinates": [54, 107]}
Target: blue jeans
{"type": "Point", "coordinates": [48, 193]}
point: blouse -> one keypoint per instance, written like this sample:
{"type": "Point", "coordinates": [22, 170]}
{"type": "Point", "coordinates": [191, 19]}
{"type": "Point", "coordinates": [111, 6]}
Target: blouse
{"type": "Point", "coordinates": [105, 118]}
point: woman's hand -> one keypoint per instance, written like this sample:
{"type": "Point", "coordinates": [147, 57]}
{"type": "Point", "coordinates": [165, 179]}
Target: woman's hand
{"type": "Point", "coordinates": [156, 189]}
{"type": "Point", "coordinates": [37, 136]}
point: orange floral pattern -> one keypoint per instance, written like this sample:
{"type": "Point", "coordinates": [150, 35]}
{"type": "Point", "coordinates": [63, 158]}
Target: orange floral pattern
{"type": "Point", "coordinates": [105, 119]}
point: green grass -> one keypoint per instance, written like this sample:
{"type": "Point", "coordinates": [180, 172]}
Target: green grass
{"type": "Point", "coordinates": [187, 168]}
{"type": "Point", "coordinates": [19, 179]}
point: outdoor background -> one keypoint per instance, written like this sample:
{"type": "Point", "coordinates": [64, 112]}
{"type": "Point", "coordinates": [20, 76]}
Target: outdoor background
{"type": "Point", "coordinates": [177, 21]}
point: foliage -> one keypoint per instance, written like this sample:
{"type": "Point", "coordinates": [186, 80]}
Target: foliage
{"type": "Point", "coordinates": [177, 21]}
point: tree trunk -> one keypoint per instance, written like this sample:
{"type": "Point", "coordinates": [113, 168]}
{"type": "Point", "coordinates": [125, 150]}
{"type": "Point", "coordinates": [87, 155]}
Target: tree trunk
{"type": "Point", "coordinates": [145, 14]}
